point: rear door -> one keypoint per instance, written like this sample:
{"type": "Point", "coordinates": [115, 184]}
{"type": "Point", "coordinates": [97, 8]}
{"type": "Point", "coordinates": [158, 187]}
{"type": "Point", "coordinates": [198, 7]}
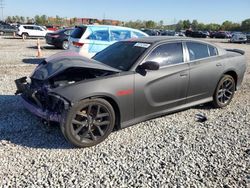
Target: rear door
{"type": "Point", "coordinates": [165, 88]}
{"type": "Point", "coordinates": [206, 68]}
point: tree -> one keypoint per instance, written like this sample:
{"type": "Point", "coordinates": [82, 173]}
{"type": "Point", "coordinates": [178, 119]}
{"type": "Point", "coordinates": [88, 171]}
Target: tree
{"type": "Point", "coordinates": [245, 25]}
{"type": "Point", "coordinates": [195, 25]}
{"type": "Point", "coordinates": [150, 24]}
{"type": "Point", "coordinates": [186, 24]}
{"type": "Point", "coordinates": [179, 26]}
{"type": "Point", "coordinates": [22, 19]}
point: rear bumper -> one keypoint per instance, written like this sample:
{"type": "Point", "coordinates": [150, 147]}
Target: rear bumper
{"type": "Point", "coordinates": [23, 88]}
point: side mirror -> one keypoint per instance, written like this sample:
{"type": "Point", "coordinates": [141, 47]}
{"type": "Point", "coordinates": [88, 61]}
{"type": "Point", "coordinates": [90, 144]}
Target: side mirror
{"type": "Point", "coordinates": [149, 65]}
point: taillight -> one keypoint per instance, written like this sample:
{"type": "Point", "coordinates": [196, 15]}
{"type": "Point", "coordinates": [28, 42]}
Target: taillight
{"type": "Point", "coordinates": [55, 36]}
{"type": "Point", "coordinates": [78, 44]}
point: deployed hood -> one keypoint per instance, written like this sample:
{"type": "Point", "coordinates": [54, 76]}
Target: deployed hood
{"type": "Point", "coordinates": [65, 60]}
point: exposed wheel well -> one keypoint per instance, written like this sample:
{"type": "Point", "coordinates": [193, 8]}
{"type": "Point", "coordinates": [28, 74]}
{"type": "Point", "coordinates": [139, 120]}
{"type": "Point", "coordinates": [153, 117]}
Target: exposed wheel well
{"type": "Point", "coordinates": [234, 75]}
{"type": "Point", "coordinates": [116, 109]}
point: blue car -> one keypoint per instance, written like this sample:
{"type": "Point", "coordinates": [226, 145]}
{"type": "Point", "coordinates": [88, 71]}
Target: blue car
{"type": "Point", "coordinates": [91, 39]}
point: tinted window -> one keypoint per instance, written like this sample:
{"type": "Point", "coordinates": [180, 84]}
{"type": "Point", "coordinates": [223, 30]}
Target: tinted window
{"type": "Point", "coordinates": [117, 35]}
{"type": "Point", "coordinates": [28, 27]}
{"type": "Point", "coordinates": [121, 55]}
{"type": "Point", "coordinates": [78, 32]}
{"type": "Point", "coordinates": [197, 50]}
{"type": "Point", "coordinates": [167, 54]}
{"type": "Point", "coordinates": [102, 35]}
{"type": "Point", "coordinates": [68, 32]}
{"type": "Point", "coordinates": [212, 51]}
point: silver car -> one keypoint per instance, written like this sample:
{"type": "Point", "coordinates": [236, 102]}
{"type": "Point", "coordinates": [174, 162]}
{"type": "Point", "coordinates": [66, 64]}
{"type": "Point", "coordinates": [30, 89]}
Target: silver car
{"type": "Point", "coordinates": [239, 38]}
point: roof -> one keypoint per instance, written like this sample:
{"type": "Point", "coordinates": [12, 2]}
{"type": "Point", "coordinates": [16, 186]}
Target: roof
{"type": "Point", "coordinates": [156, 39]}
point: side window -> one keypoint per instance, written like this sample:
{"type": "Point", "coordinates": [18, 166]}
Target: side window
{"type": "Point", "coordinates": [197, 50]}
{"type": "Point", "coordinates": [167, 54]}
{"type": "Point", "coordinates": [68, 32]}
{"type": "Point", "coordinates": [117, 35]}
{"type": "Point", "coordinates": [212, 50]}
{"type": "Point", "coordinates": [102, 35]}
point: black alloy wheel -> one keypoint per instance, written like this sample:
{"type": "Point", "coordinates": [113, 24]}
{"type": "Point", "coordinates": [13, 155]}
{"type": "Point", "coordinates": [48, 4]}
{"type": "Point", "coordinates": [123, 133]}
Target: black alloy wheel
{"type": "Point", "coordinates": [224, 91]}
{"type": "Point", "coordinates": [89, 122]}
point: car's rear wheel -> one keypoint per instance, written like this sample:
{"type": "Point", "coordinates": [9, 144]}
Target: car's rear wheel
{"type": "Point", "coordinates": [89, 122]}
{"type": "Point", "coordinates": [224, 91]}
{"type": "Point", "coordinates": [65, 45]}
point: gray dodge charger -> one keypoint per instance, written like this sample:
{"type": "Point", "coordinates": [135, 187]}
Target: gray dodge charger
{"type": "Point", "coordinates": [129, 82]}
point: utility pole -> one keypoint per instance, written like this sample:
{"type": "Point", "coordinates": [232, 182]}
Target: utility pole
{"type": "Point", "coordinates": [2, 7]}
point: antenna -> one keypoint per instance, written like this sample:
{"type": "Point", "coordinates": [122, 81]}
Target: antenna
{"type": "Point", "coordinates": [2, 7]}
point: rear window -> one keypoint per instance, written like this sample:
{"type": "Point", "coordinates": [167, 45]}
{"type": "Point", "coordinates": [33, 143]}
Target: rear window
{"type": "Point", "coordinates": [197, 50]}
{"type": "Point", "coordinates": [102, 35]}
{"type": "Point", "coordinates": [117, 35]}
{"type": "Point", "coordinates": [212, 51]}
{"type": "Point", "coordinates": [78, 32]}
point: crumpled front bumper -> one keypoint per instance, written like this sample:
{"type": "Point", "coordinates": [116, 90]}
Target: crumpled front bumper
{"type": "Point", "coordinates": [24, 90]}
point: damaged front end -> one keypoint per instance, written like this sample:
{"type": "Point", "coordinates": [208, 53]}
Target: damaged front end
{"type": "Point", "coordinates": [37, 98]}
{"type": "Point", "coordinates": [57, 71]}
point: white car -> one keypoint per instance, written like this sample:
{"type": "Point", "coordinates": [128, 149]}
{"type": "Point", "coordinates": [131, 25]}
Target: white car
{"type": "Point", "coordinates": [32, 31]}
{"type": "Point", "coordinates": [239, 38]}
{"type": "Point", "coordinates": [91, 39]}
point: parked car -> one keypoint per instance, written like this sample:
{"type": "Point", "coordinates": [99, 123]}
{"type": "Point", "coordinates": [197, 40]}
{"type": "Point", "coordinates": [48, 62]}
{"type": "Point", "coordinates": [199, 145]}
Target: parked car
{"type": "Point", "coordinates": [52, 28]}
{"type": "Point", "coordinates": [222, 34]}
{"type": "Point", "coordinates": [129, 82]}
{"type": "Point", "coordinates": [59, 38]}
{"type": "Point", "coordinates": [150, 32]}
{"type": "Point", "coordinates": [168, 33]}
{"type": "Point", "coordinates": [32, 31]}
{"type": "Point", "coordinates": [195, 34]}
{"type": "Point", "coordinates": [239, 38]}
{"type": "Point", "coordinates": [248, 37]}
{"type": "Point", "coordinates": [91, 39]}
{"type": "Point", "coordinates": [6, 28]}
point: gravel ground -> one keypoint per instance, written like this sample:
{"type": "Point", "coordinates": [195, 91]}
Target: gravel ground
{"type": "Point", "coordinates": [171, 151]}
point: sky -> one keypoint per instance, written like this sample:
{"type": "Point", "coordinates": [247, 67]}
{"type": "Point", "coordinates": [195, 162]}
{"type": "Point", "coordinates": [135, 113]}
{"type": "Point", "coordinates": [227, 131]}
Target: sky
{"type": "Point", "coordinates": [206, 11]}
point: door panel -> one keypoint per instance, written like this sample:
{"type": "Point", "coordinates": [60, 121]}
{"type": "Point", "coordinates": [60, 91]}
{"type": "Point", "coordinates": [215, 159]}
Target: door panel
{"type": "Point", "coordinates": [204, 76]}
{"type": "Point", "coordinates": [161, 89]}
{"type": "Point", "coordinates": [205, 70]}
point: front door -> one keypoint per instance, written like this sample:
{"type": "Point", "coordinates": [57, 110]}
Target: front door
{"type": "Point", "coordinates": [160, 90]}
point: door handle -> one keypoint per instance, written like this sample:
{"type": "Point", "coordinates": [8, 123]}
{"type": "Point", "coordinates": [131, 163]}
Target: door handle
{"type": "Point", "coordinates": [218, 64]}
{"type": "Point", "coordinates": [183, 74]}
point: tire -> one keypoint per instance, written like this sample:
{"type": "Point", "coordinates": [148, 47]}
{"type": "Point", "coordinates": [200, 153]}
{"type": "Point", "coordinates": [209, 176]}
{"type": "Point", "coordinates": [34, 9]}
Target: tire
{"type": "Point", "coordinates": [65, 45]}
{"type": "Point", "coordinates": [25, 35]}
{"type": "Point", "coordinates": [224, 91]}
{"type": "Point", "coordinates": [89, 122]}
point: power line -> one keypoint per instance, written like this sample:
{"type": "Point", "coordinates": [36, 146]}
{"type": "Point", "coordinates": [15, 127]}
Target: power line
{"type": "Point", "coordinates": [2, 7]}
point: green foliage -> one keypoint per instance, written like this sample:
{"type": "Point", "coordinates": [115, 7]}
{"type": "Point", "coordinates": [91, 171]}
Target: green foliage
{"type": "Point", "coordinates": [245, 25]}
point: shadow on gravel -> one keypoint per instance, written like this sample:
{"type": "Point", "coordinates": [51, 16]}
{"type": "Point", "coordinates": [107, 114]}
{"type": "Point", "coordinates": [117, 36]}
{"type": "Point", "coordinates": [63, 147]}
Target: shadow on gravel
{"type": "Point", "coordinates": [207, 106]}
{"type": "Point", "coordinates": [33, 60]}
{"type": "Point", "coordinates": [44, 47]}
{"type": "Point", "coordinates": [19, 127]}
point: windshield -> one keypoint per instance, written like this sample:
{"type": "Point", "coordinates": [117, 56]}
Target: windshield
{"type": "Point", "coordinates": [121, 55]}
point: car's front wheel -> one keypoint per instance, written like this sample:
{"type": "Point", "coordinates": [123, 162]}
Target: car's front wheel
{"type": "Point", "coordinates": [25, 35]}
{"type": "Point", "coordinates": [224, 91]}
{"type": "Point", "coordinates": [89, 122]}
